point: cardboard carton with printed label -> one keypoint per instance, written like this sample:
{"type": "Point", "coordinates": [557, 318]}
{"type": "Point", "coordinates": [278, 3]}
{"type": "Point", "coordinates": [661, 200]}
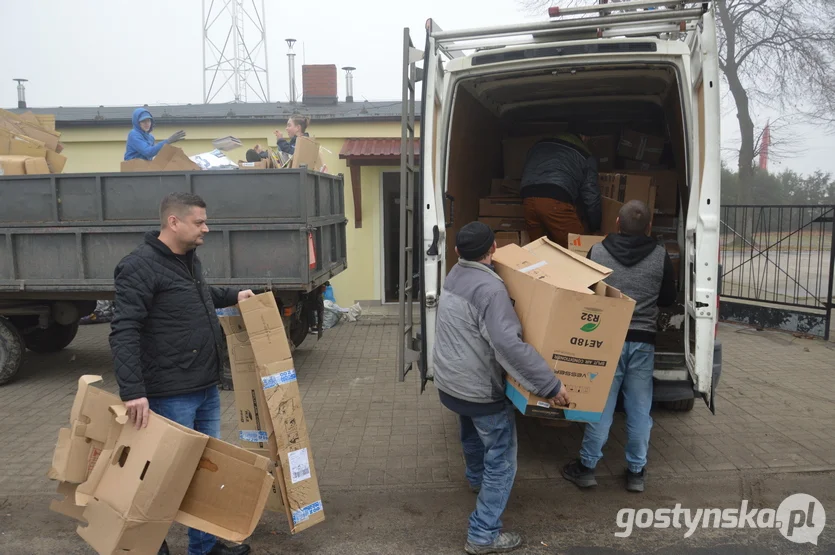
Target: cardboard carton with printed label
{"type": "Point", "coordinates": [572, 318]}
{"type": "Point", "coordinates": [128, 486]}
{"type": "Point", "coordinates": [296, 472]}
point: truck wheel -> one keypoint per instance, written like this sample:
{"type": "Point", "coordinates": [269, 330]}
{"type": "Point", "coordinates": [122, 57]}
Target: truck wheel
{"type": "Point", "coordinates": [683, 405]}
{"type": "Point", "coordinates": [11, 350]}
{"type": "Point", "coordinates": [52, 339]}
{"type": "Point", "coordinates": [299, 328]}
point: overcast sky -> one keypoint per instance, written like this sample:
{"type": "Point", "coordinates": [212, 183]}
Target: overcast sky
{"type": "Point", "coordinates": [98, 52]}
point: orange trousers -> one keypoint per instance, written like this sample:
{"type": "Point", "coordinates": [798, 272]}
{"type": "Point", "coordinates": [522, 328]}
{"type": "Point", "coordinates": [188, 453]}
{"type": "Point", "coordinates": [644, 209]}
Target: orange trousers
{"type": "Point", "coordinates": [554, 218]}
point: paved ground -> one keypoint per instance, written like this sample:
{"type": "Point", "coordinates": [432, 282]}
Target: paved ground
{"type": "Point", "coordinates": [390, 465]}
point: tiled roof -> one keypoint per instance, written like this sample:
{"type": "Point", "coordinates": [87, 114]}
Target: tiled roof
{"type": "Point", "coordinates": [372, 147]}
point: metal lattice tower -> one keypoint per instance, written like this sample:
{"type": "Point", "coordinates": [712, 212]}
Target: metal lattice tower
{"type": "Point", "coordinates": [235, 51]}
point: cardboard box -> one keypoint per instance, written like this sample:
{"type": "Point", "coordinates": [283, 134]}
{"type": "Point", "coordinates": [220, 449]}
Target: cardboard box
{"type": "Point", "coordinates": [666, 187]}
{"type": "Point", "coordinates": [307, 154]}
{"type": "Point", "coordinates": [604, 148]}
{"type": "Point", "coordinates": [296, 471]}
{"type": "Point", "coordinates": [636, 166]}
{"type": "Point", "coordinates": [511, 238]}
{"type": "Point", "coordinates": [572, 318]}
{"type": "Point", "coordinates": [168, 159]}
{"type": "Point", "coordinates": [640, 146]}
{"type": "Point", "coordinates": [255, 428]}
{"type": "Point", "coordinates": [501, 207]}
{"type": "Point", "coordinates": [625, 187]}
{"type": "Point", "coordinates": [262, 165]}
{"type": "Point", "coordinates": [129, 485]}
{"type": "Point", "coordinates": [582, 244]}
{"type": "Point", "coordinates": [14, 164]}
{"type": "Point", "coordinates": [505, 187]}
{"type": "Point", "coordinates": [504, 224]}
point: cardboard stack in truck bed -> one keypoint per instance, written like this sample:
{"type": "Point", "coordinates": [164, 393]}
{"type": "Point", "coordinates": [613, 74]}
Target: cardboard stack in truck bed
{"type": "Point", "coordinates": [130, 485]}
{"type": "Point", "coordinates": [168, 159]}
{"type": "Point", "coordinates": [572, 318]}
{"type": "Point", "coordinates": [271, 418]}
{"type": "Point", "coordinates": [640, 147]}
{"type": "Point", "coordinates": [29, 144]}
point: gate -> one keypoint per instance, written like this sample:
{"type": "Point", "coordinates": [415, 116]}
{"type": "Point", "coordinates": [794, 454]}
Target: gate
{"type": "Point", "coordinates": [779, 257]}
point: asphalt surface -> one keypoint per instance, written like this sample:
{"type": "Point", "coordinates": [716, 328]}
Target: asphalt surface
{"type": "Point", "coordinates": [553, 516]}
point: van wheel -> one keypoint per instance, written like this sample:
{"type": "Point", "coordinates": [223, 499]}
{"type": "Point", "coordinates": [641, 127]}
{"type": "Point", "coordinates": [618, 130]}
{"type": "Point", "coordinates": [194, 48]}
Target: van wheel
{"type": "Point", "coordinates": [11, 350]}
{"type": "Point", "coordinates": [52, 339]}
{"type": "Point", "coordinates": [299, 328]}
{"type": "Point", "coordinates": [683, 405]}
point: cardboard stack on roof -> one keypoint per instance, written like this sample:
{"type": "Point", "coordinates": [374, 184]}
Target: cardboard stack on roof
{"type": "Point", "coordinates": [271, 420]}
{"type": "Point", "coordinates": [29, 144]}
{"type": "Point", "coordinates": [128, 486]}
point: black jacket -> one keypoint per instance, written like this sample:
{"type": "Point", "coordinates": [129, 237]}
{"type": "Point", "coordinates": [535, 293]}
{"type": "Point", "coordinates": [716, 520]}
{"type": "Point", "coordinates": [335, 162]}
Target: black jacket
{"type": "Point", "coordinates": [563, 169]}
{"type": "Point", "coordinates": [165, 335]}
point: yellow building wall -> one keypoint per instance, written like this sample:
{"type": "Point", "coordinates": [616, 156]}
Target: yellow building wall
{"type": "Point", "coordinates": [102, 149]}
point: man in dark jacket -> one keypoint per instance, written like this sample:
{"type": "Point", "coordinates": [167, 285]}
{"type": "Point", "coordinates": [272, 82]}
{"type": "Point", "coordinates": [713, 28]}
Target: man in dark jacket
{"type": "Point", "coordinates": [477, 337]}
{"type": "Point", "coordinates": [166, 338]}
{"type": "Point", "coordinates": [560, 177]}
{"type": "Point", "coordinates": [643, 271]}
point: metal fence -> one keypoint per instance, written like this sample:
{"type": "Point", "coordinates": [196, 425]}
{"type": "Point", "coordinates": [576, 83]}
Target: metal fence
{"type": "Point", "coordinates": [780, 255]}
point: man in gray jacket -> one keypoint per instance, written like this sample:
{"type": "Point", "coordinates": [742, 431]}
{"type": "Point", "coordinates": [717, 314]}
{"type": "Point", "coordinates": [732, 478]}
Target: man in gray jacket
{"type": "Point", "coordinates": [642, 270]}
{"type": "Point", "coordinates": [477, 337]}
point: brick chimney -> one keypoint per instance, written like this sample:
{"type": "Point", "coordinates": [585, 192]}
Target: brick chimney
{"type": "Point", "coordinates": [319, 84]}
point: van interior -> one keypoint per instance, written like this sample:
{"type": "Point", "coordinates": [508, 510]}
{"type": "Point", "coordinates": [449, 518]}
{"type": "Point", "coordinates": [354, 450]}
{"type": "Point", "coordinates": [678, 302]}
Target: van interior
{"type": "Point", "coordinates": [597, 101]}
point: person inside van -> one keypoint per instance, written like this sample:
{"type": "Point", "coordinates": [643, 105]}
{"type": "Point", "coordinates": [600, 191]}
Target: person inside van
{"type": "Point", "coordinates": [478, 337]}
{"type": "Point", "coordinates": [296, 127]}
{"type": "Point", "coordinates": [642, 269]}
{"type": "Point", "coordinates": [141, 144]}
{"type": "Point", "coordinates": [560, 180]}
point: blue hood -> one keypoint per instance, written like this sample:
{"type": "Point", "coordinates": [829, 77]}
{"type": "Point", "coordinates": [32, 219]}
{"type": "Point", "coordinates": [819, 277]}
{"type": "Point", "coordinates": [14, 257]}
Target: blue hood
{"type": "Point", "coordinates": [135, 119]}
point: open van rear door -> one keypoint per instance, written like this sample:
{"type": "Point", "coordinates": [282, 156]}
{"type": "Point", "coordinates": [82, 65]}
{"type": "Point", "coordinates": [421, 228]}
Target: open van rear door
{"type": "Point", "coordinates": [430, 207]}
{"type": "Point", "coordinates": [702, 229]}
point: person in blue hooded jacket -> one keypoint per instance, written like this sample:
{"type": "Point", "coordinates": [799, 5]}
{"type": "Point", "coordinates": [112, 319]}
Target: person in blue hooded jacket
{"type": "Point", "coordinates": [141, 144]}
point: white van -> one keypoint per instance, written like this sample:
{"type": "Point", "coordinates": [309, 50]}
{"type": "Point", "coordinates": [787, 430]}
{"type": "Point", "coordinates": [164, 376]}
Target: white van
{"type": "Point", "coordinates": [646, 63]}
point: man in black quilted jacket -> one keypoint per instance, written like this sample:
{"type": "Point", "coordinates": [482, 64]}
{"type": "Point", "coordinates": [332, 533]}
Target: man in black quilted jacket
{"type": "Point", "coordinates": [165, 335]}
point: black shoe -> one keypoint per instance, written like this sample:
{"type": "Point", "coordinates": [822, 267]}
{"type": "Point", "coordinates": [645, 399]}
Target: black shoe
{"type": "Point", "coordinates": [220, 549]}
{"type": "Point", "coordinates": [635, 482]}
{"type": "Point", "coordinates": [506, 541]}
{"type": "Point", "coordinates": [163, 549]}
{"type": "Point", "coordinates": [579, 474]}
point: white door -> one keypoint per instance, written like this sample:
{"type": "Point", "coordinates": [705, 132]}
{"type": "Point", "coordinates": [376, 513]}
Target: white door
{"type": "Point", "coordinates": [702, 230]}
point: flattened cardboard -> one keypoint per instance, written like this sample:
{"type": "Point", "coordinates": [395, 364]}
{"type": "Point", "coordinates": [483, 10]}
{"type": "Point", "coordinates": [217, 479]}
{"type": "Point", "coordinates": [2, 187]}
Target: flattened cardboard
{"type": "Point", "coordinates": [297, 473]}
{"type": "Point", "coordinates": [55, 161]}
{"type": "Point", "coordinates": [169, 158]}
{"type": "Point", "coordinates": [501, 207]}
{"type": "Point", "coordinates": [504, 224]}
{"type": "Point", "coordinates": [572, 318]}
{"type": "Point", "coordinates": [37, 166]}
{"type": "Point", "coordinates": [255, 427]}
{"type": "Point", "coordinates": [307, 154]}
{"type": "Point", "coordinates": [582, 244]}
{"type": "Point", "coordinates": [16, 144]}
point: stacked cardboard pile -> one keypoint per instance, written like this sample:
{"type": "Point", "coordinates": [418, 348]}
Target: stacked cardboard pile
{"type": "Point", "coordinates": [271, 420]}
{"type": "Point", "coordinates": [130, 485]}
{"type": "Point", "coordinates": [29, 144]}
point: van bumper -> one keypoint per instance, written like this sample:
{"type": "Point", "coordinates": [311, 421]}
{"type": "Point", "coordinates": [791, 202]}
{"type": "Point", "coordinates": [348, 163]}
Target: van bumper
{"type": "Point", "coordinates": [677, 385]}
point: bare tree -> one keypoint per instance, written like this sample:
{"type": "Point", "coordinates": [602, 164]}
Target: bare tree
{"type": "Point", "coordinates": [775, 54]}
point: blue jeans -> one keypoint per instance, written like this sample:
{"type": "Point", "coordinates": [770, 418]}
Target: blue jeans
{"type": "Point", "coordinates": [199, 411]}
{"type": "Point", "coordinates": [634, 377]}
{"type": "Point", "coordinates": [489, 444]}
